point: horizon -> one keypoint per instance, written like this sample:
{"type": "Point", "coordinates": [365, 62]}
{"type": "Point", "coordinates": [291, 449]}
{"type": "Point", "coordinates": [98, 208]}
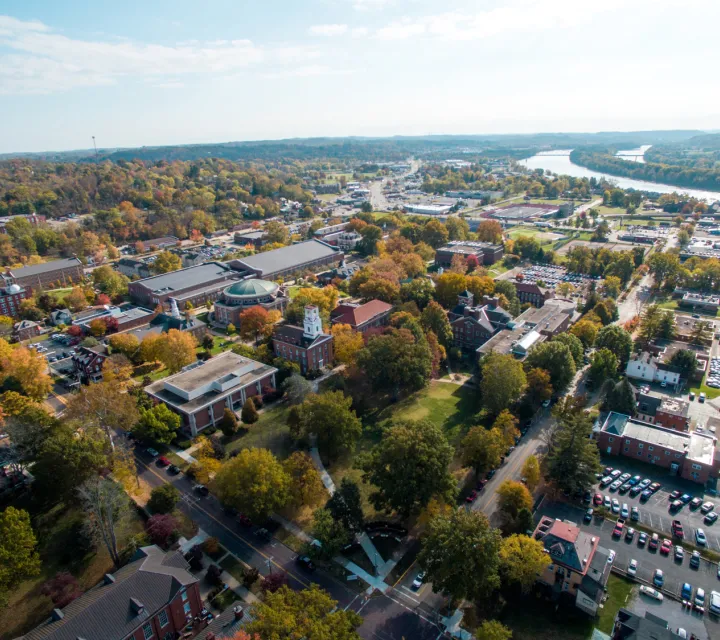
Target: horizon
{"type": "Point", "coordinates": [176, 73]}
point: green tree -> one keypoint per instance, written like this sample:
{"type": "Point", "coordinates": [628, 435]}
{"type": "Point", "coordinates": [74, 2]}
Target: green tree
{"type": "Point", "coordinates": [329, 417]}
{"type": "Point", "coordinates": [163, 498]}
{"type": "Point", "coordinates": [507, 289]}
{"type": "Point", "coordinates": [556, 359]}
{"type": "Point", "coordinates": [524, 523]}
{"type": "Point", "coordinates": [506, 423]}
{"type": "Point", "coordinates": [493, 630]}
{"type": "Point", "coordinates": [621, 398]}
{"type": "Point", "coordinates": [409, 467]}
{"type": "Point", "coordinates": [345, 505]}
{"type": "Point", "coordinates": [572, 342]}
{"type": "Point", "coordinates": [229, 423]}
{"type": "Point", "coordinates": [253, 482]}
{"type": "Point", "coordinates": [702, 332]}
{"type": "Point", "coordinates": [503, 381]}
{"type": "Point", "coordinates": [310, 613]}
{"type": "Point", "coordinates": [512, 497]}
{"type": "Point", "coordinates": [297, 389]}
{"type": "Point", "coordinates": [482, 448]}
{"type": "Point", "coordinates": [522, 559]}
{"type": "Point", "coordinates": [460, 555]}
{"type": "Point", "coordinates": [419, 290]}
{"type": "Point", "coordinates": [434, 318]}
{"type": "Point", "coordinates": [617, 340]}
{"type": "Point", "coordinates": [686, 361]}
{"type": "Point", "coordinates": [19, 559]}
{"type": "Point", "coordinates": [331, 533]}
{"type": "Point", "coordinates": [604, 365]}
{"type": "Point", "coordinates": [531, 472]}
{"type": "Point", "coordinates": [157, 424]}
{"type": "Point", "coordinates": [435, 234]}
{"type": "Point", "coordinates": [586, 331]}
{"type": "Point", "coordinates": [166, 262]}
{"type": "Point", "coordinates": [249, 412]}
{"type": "Point", "coordinates": [539, 387]}
{"type": "Point", "coordinates": [612, 286]}
{"type": "Point", "coordinates": [668, 328]}
{"type": "Point", "coordinates": [276, 232]}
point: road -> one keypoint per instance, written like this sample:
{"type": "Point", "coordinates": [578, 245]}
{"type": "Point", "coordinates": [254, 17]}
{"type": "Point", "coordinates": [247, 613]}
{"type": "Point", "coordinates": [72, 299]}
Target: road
{"type": "Point", "coordinates": [385, 617]}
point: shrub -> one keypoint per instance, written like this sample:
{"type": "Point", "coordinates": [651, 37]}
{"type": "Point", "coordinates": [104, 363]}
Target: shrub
{"type": "Point", "coordinates": [249, 412]}
{"type": "Point", "coordinates": [250, 576]}
{"type": "Point", "coordinates": [163, 498]}
{"type": "Point", "coordinates": [162, 529]}
{"type": "Point", "coordinates": [62, 589]}
{"type": "Point", "coordinates": [213, 575]}
{"type": "Point", "coordinates": [271, 583]}
{"type": "Point", "coordinates": [257, 401]}
{"type": "Point", "coordinates": [211, 546]}
{"type": "Point", "coordinates": [194, 558]}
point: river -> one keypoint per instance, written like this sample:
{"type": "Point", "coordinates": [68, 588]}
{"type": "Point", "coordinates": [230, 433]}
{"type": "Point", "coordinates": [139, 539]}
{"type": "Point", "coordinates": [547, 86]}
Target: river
{"type": "Point", "coordinates": [634, 155]}
{"type": "Point", "coordinates": [558, 161]}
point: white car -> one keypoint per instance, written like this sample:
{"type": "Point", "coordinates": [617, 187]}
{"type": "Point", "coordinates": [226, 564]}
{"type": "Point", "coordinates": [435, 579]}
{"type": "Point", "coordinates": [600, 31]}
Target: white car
{"type": "Point", "coordinates": [611, 556]}
{"type": "Point", "coordinates": [632, 568]}
{"type": "Point", "coordinates": [700, 598]}
{"type": "Point", "coordinates": [700, 537]}
{"type": "Point", "coordinates": [625, 511]}
{"type": "Point", "coordinates": [419, 579]}
{"type": "Point", "coordinates": [652, 593]}
{"type": "Point", "coordinates": [615, 506]}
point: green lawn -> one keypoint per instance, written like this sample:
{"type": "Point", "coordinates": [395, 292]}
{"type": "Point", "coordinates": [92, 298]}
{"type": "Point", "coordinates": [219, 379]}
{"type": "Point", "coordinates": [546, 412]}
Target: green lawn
{"type": "Point", "coordinates": [234, 567]}
{"type": "Point", "coordinates": [619, 593]}
{"type": "Point", "coordinates": [59, 294]}
{"type": "Point", "coordinates": [218, 345]}
{"type": "Point", "coordinates": [269, 432]}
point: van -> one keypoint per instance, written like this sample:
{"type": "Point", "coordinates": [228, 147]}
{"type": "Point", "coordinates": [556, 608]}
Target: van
{"type": "Point", "coordinates": [715, 603]}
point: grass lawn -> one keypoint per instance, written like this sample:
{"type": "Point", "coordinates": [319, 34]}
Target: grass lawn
{"type": "Point", "coordinates": [269, 432]}
{"type": "Point", "coordinates": [218, 345]}
{"type": "Point", "coordinates": [56, 531]}
{"type": "Point", "coordinates": [224, 599]}
{"type": "Point", "coordinates": [524, 231]}
{"type": "Point", "coordinates": [234, 567]}
{"type": "Point", "coordinates": [59, 294]}
{"type": "Point", "coordinates": [701, 387]}
{"type": "Point", "coordinates": [619, 593]}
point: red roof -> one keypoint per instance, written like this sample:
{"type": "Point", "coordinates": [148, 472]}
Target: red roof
{"type": "Point", "coordinates": [565, 531]}
{"type": "Point", "coordinates": [356, 316]}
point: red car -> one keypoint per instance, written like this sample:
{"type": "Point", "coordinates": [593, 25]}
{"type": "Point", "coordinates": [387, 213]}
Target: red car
{"type": "Point", "coordinates": [666, 547]}
{"type": "Point", "coordinates": [243, 520]}
{"type": "Point", "coordinates": [677, 529]}
{"type": "Point", "coordinates": [481, 484]}
{"type": "Point", "coordinates": [162, 461]}
{"type": "Point", "coordinates": [617, 531]}
{"type": "Point", "coordinates": [472, 496]}
{"type": "Point", "coordinates": [598, 499]}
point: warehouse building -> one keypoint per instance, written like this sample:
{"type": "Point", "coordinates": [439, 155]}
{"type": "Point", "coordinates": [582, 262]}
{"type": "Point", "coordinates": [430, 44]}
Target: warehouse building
{"type": "Point", "coordinates": [44, 276]}
{"type": "Point", "coordinates": [294, 259]}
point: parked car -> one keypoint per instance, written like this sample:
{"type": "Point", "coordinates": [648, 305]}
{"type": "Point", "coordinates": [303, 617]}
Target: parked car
{"type": "Point", "coordinates": [419, 580]}
{"type": "Point", "coordinates": [605, 481]}
{"type": "Point", "coordinates": [624, 477]}
{"type": "Point", "coordinates": [625, 511]}
{"type": "Point", "coordinates": [645, 495]}
{"type": "Point", "coordinates": [642, 539]}
{"type": "Point", "coordinates": [615, 485]}
{"type": "Point", "coordinates": [162, 461]}
{"type": "Point", "coordinates": [702, 397]}
{"type": "Point", "coordinates": [685, 498]}
{"type": "Point", "coordinates": [305, 562]}
{"type": "Point", "coordinates": [635, 514]}
{"type": "Point", "coordinates": [700, 538]}
{"type": "Point", "coordinates": [243, 520]}
{"type": "Point", "coordinates": [632, 568]}
{"type": "Point", "coordinates": [674, 495]}
{"type": "Point", "coordinates": [666, 546]}
{"type": "Point", "coordinates": [654, 542]}
{"type": "Point", "coordinates": [598, 499]}
{"type": "Point", "coordinates": [471, 496]}
{"type": "Point", "coordinates": [676, 505]}
{"type": "Point", "coordinates": [589, 515]}
{"type": "Point", "coordinates": [695, 503]}
{"type": "Point", "coordinates": [615, 473]}
{"type": "Point", "coordinates": [634, 480]}
{"type": "Point", "coordinates": [617, 531]}
{"type": "Point", "coordinates": [615, 506]}
{"type": "Point", "coordinates": [635, 490]}
{"type": "Point", "coordinates": [173, 469]}
{"type": "Point", "coordinates": [152, 452]}
{"type": "Point", "coordinates": [710, 518]}
{"type": "Point", "coordinates": [652, 593]}
{"type": "Point", "coordinates": [695, 559]}
{"type": "Point", "coordinates": [646, 483]}
{"type": "Point", "coordinates": [201, 489]}
{"type": "Point", "coordinates": [677, 529]}
{"type": "Point", "coordinates": [625, 488]}
{"type": "Point", "coordinates": [700, 598]}
{"type": "Point", "coordinates": [658, 578]}
{"type": "Point", "coordinates": [679, 553]}
{"type": "Point", "coordinates": [630, 534]}
{"type": "Point", "coordinates": [606, 502]}
{"type": "Point", "coordinates": [611, 556]}
{"type": "Point", "coordinates": [707, 507]}
{"type": "Point", "coordinates": [686, 591]}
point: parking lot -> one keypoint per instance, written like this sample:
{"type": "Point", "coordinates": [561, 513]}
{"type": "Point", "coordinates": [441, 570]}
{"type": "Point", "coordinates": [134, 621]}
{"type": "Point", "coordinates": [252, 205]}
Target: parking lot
{"type": "Point", "coordinates": [654, 512]}
{"type": "Point", "coordinates": [675, 572]}
{"type": "Point", "coordinates": [552, 276]}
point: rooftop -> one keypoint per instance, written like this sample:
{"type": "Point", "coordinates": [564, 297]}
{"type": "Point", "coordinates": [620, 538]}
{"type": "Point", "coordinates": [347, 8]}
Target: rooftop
{"type": "Point", "coordinates": [35, 269]}
{"type": "Point", "coordinates": [197, 276]}
{"type": "Point", "coordinates": [359, 314]}
{"type": "Point", "coordinates": [566, 543]}
{"type": "Point", "coordinates": [286, 258]}
{"type": "Point", "coordinates": [252, 288]}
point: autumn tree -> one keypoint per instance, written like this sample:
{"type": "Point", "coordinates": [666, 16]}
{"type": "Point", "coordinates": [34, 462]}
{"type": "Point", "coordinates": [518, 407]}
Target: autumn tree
{"type": "Point", "coordinates": [434, 318]}
{"type": "Point", "coordinates": [325, 299]}
{"type": "Point", "coordinates": [531, 472]}
{"type": "Point", "coordinates": [76, 300]}
{"type": "Point", "coordinates": [503, 381]}
{"type": "Point", "coordinates": [62, 589]}
{"type": "Point", "coordinates": [448, 287]}
{"type": "Point", "coordinates": [229, 423]}
{"type": "Point", "coordinates": [249, 412]}
{"type": "Point", "coordinates": [22, 369]}
{"type": "Point", "coordinates": [490, 231]}
{"type": "Point", "coordinates": [330, 418]}
{"type": "Point", "coordinates": [306, 487]}
{"type": "Point", "coordinates": [257, 321]}
{"type": "Point", "coordinates": [254, 482]}
{"type": "Point", "coordinates": [539, 387]}
{"type": "Point", "coordinates": [19, 559]}
{"type": "Point", "coordinates": [482, 448]}
{"type": "Point", "coordinates": [165, 262]}
{"type": "Point", "coordinates": [176, 349]}
{"type": "Point", "coordinates": [126, 344]}
{"type": "Point", "coordinates": [157, 424]}
{"type": "Point", "coordinates": [409, 467]}
{"type": "Point", "coordinates": [493, 630]}
{"type": "Point", "coordinates": [522, 559]}
{"type": "Point", "coordinates": [513, 496]}
{"type": "Point", "coordinates": [556, 359]}
{"type": "Point", "coordinates": [346, 343]}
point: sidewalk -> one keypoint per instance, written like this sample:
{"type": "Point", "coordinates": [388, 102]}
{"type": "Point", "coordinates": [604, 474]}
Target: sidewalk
{"type": "Point", "coordinates": [324, 475]}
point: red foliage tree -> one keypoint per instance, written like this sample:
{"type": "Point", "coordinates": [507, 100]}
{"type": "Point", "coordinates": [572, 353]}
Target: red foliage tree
{"type": "Point", "coordinates": [161, 528]}
{"type": "Point", "coordinates": [75, 331]}
{"type": "Point", "coordinates": [273, 582]}
{"type": "Point", "coordinates": [102, 299]}
{"type": "Point", "coordinates": [62, 589]}
{"type": "Point", "coordinates": [472, 262]}
{"type": "Point", "coordinates": [111, 324]}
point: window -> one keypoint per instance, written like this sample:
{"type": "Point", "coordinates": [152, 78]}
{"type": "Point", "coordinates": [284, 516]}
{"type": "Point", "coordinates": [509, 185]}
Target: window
{"type": "Point", "coordinates": [184, 595]}
{"type": "Point", "coordinates": [650, 448]}
{"type": "Point", "coordinates": [186, 607]}
{"type": "Point", "coordinates": [163, 618]}
{"type": "Point", "coordinates": [626, 449]}
{"type": "Point", "coordinates": [639, 453]}
{"type": "Point", "coordinates": [677, 455]}
{"type": "Point", "coordinates": [697, 466]}
{"type": "Point", "coordinates": [667, 453]}
{"type": "Point", "coordinates": [627, 441]}
{"type": "Point", "coordinates": [147, 631]}
{"type": "Point", "coordinates": [640, 445]}
{"type": "Point", "coordinates": [610, 439]}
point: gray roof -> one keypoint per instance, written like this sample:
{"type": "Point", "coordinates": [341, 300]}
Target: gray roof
{"type": "Point", "coordinates": [287, 257]}
{"type": "Point", "coordinates": [35, 269]}
{"type": "Point", "coordinates": [184, 279]}
{"type": "Point", "coordinates": [647, 404]}
{"type": "Point", "coordinates": [105, 612]}
{"type": "Point", "coordinates": [226, 625]}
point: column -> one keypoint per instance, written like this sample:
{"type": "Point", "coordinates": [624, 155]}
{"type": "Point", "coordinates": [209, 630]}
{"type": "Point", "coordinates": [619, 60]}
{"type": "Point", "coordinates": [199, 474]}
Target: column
{"type": "Point", "coordinates": [193, 425]}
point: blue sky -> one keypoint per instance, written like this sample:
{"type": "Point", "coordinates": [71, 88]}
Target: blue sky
{"type": "Point", "coordinates": [152, 72]}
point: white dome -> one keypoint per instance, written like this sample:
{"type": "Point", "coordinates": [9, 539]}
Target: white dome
{"type": "Point", "coordinates": [14, 288]}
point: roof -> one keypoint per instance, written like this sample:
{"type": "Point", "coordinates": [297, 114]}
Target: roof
{"type": "Point", "coordinates": [567, 544]}
{"type": "Point", "coordinates": [252, 288]}
{"type": "Point", "coordinates": [45, 267]}
{"type": "Point", "coordinates": [106, 612]}
{"type": "Point", "coordinates": [227, 624]}
{"type": "Point", "coordinates": [357, 315]}
{"type": "Point", "coordinates": [184, 279]}
{"type": "Point", "coordinates": [155, 242]}
{"type": "Point", "coordinates": [25, 324]}
{"type": "Point", "coordinates": [647, 404]}
{"type": "Point", "coordinates": [675, 406]}
{"type": "Point", "coordinates": [291, 334]}
{"type": "Point", "coordinates": [631, 626]}
{"type": "Point", "coordinates": [287, 258]}
{"type": "Point", "coordinates": [527, 341]}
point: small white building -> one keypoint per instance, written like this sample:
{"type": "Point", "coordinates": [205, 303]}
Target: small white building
{"type": "Point", "coordinates": [649, 368]}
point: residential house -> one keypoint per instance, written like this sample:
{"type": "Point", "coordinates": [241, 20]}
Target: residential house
{"type": "Point", "coordinates": [133, 268]}
{"type": "Point", "coordinates": [577, 565]}
{"type": "Point", "coordinates": [644, 366]}
{"type": "Point", "coordinates": [26, 329]}
{"type": "Point", "coordinates": [33, 218]}
{"type": "Point", "coordinates": [688, 455]}
{"type": "Point", "coordinates": [88, 363]}
{"type": "Point", "coordinates": [633, 626]}
{"type": "Point", "coordinates": [61, 316]}
{"type": "Point", "coordinates": [153, 597]}
{"type": "Point", "coordinates": [308, 345]}
{"type": "Point", "coordinates": [362, 317]}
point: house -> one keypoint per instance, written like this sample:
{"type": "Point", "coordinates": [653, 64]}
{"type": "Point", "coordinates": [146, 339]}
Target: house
{"type": "Point", "coordinates": [153, 597]}
{"type": "Point", "coordinates": [688, 455]}
{"type": "Point", "coordinates": [296, 258]}
{"type": "Point", "coordinates": [44, 276]}
{"type": "Point", "coordinates": [341, 272]}
{"type": "Point", "coordinates": [26, 329]}
{"type": "Point", "coordinates": [473, 326]}
{"type": "Point", "coordinates": [250, 236]}
{"type": "Point", "coordinates": [577, 565]}
{"type": "Point", "coordinates": [485, 252]}
{"type": "Point", "coordinates": [10, 298]}
{"type": "Point", "coordinates": [362, 317]}
{"type": "Point", "coordinates": [308, 345]}
{"type": "Point", "coordinates": [632, 626]}
{"type": "Point", "coordinates": [156, 244]}
{"type": "Point", "coordinates": [200, 392]}
{"type": "Point", "coordinates": [88, 363]}
{"type": "Point", "coordinates": [195, 285]}
{"type": "Point", "coordinates": [671, 413]}
{"type": "Point", "coordinates": [644, 366]}
{"type": "Point", "coordinates": [33, 218]}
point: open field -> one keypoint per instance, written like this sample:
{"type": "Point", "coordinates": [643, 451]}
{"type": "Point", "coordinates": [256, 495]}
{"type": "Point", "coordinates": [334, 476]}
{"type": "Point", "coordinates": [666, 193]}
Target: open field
{"type": "Point", "coordinates": [269, 432]}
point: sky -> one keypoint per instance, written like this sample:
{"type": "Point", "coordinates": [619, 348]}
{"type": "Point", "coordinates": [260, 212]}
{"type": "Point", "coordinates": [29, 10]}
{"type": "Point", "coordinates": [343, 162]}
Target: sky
{"type": "Point", "coordinates": [141, 72]}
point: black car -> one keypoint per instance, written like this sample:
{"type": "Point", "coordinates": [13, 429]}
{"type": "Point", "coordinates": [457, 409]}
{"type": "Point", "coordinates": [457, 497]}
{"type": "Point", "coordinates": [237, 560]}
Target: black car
{"type": "Point", "coordinates": [201, 489]}
{"type": "Point", "coordinates": [173, 469]}
{"type": "Point", "coordinates": [305, 562]}
{"type": "Point", "coordinates": [264, 534]}
{"type": "Point", "coordinates": [490, 473]}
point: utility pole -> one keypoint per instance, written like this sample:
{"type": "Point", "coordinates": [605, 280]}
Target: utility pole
{"type": "Point", "coordinates": [96, 151]}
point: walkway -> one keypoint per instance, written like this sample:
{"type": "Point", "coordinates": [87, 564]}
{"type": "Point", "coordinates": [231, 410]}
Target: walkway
{"type": "Point", "coordinates": [324, 475]}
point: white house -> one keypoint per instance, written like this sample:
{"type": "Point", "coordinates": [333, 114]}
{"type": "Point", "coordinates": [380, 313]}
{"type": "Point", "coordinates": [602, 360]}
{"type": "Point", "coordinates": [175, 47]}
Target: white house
{"type": "Point", "coordinates": [645, 366]}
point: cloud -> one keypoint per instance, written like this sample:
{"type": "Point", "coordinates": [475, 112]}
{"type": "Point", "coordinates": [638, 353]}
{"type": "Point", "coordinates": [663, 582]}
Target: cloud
{"type": "Point", "coordinates": [369, 5]}
{"type": "Point", "coordinates": [328, 29]}
{"type": "Point", "coordinates": [41, 61]}
{"type": "Point", "coordinates": [359, 32]}
{"type": "Point", "coordinates": [309, 71]}
{"type": "Point", "coordinates": [170, 85]}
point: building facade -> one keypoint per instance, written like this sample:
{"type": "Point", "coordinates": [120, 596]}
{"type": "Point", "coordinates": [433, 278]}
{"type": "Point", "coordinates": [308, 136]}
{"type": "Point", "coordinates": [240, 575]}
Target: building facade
{"type": "Point", "coordinates": [532, 293]}
{"type": "Point", "coordinates": [473, 326]}
{"type": "Point", "coordinates": [243, 295]}
{"type": "Point", "coordinates": [362, 317]}
{"type": "Point", "coordinates": [485, 252]}
{"type": "Point", "coordinates": [88, 363]}
{"type": "Point", "coordinates": [64, 272]}
{"type": "Point", "coordinates": [202, 391]}
{"type": "Point", "coordinates": [10, 298]}
{"type": "Point", "coordinates": [644, 366]}
{"type": "Point", "coordinates": [308, 345]}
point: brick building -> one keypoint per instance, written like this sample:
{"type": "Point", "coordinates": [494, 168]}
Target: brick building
{"type": "Point", "coordinates": [532, 293]}
{"type": "Point", "coordinates": [243, 295]}
{"type": "Point", "coordinates": [473, 326]}
{"type": "Point", "coordinates": [485, 252]}
{"type": "Point", "coordinates": [10, 298]}
{"type": "Point", "coordinates": [88, 363]}
{"type": "Point", "coordinates": [362, 317]}
{"type": "Point", "coordinates": [671, 413]}
{"type": "Point", "coordinates": [307, 345]}
{"type": "Point", "coordinates": [688, 455]}
{"type": "Point", "coordinates": [153, 597]}
{"type": "Point", "coordinates": [44, 276]}
{"type": "Point", "coordinates": [26, 329]}
{"type": "Point", "coordinates": [200, 393]}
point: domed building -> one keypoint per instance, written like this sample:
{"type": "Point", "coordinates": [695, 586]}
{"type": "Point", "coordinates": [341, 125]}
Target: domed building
{"type": "Point", "coordinates": [244, 294]}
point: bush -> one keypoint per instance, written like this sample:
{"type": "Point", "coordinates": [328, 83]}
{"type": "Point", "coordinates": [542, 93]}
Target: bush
{"type": "Point", "coordinates": [162, 529]}
{"type": "Point", "coordinates": [184, 444]}
{"type": "Point", "coordinates": [194, 558]}
{"type": "Point", "coordinates": [163, 498]}
{"type": "Point", "coordinates": [272, 396]}
{"type": "Point", "coordinates": [249, 412]}
{"type": "Point", "coordinates": [271, 583]}
{"type": "Point", "coordinates": [62, 589]}
{"type": "Point", "coordinates": [250, 576]}
{"type": "Point", "coordinates": [213, 575]}
{"type": "Point", "coordinates": [257, 401]}
{"type": "Point", "coordinates": [211, 546]}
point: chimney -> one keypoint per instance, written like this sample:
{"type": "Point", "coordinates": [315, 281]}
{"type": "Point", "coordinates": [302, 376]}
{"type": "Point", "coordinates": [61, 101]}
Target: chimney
{"type": "Point", "coordinates": [109, 578]}
{"type": "Point", "coordinates": [136, 605]}
{"type": "Point", "coordinates": [57, 615]}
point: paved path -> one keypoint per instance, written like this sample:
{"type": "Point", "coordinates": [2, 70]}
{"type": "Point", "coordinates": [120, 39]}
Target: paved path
{"type": "Point", "coordinates": [324, 475]}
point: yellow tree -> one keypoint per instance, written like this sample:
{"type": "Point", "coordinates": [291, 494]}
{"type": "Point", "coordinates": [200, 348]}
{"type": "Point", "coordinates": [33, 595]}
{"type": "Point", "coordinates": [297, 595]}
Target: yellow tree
{"type": "Point", "coordinates": [346, 343]}
{"type": "Point", "coordinates": [177, 350]}
{"type": "Point", "coordinates": [512, 497]}
{"type": "Point", "coordinates": [507, 423]}
{"type": "Point", "coordinates": [117, 370]}
{"type": "Point", "coordinates": [30, 371]}
{"type": "Point", "coordinates": [166, 262]}
{"type": "Point", "coordinates": [150, 348]}
{"type": "Point", "coordinates": [531, 472]}
{"type": "Point", "coordinates": [522, 559]}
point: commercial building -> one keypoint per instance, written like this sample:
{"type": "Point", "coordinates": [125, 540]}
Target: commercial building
{"type": "Point", "coordinates": [688, 455]}
{"type": "Point", "coordinates": [121, 318]}
{"type": "Point", "coordinates": [200, 393]}
{"type": "Point", "coordinates": [255, 238]}
{"type": "Point", "coordinates": [362, 317]}
{"type": "Point", "coordinates": [156, 244]}
{"type": "Point", "coordinates": [10, 298]}
{"type": "Point", "coordinates": [63, 272]}
{"type": "Point", "coordinates": [428, 209]}
{"type": "Point", "coordinates": [196, 285]}
{"type": "Point", "coordinates": [308, 345]}
{"type": "Point", "coordinates": [523, 212]}
{"type": "Point", "coordinates": [294, 259]}
{"type": "Point", "coordinates": [577, 567]}
{"type": "Point", "coordinates": [153, 597]}
{"type": "Point", "coordinates": [699, 301]}
{"type": "Point", "coordinates": [485, 252]}
{"type": "Point", "coordinates": [244, 294]}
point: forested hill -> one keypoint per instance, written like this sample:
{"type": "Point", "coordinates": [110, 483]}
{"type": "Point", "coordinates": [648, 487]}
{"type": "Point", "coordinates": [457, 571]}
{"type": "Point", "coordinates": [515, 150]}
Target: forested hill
{"type": "Point", "coordinates": [699, 152]}
{"type": "Point", "coordinates": [605, 161]}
